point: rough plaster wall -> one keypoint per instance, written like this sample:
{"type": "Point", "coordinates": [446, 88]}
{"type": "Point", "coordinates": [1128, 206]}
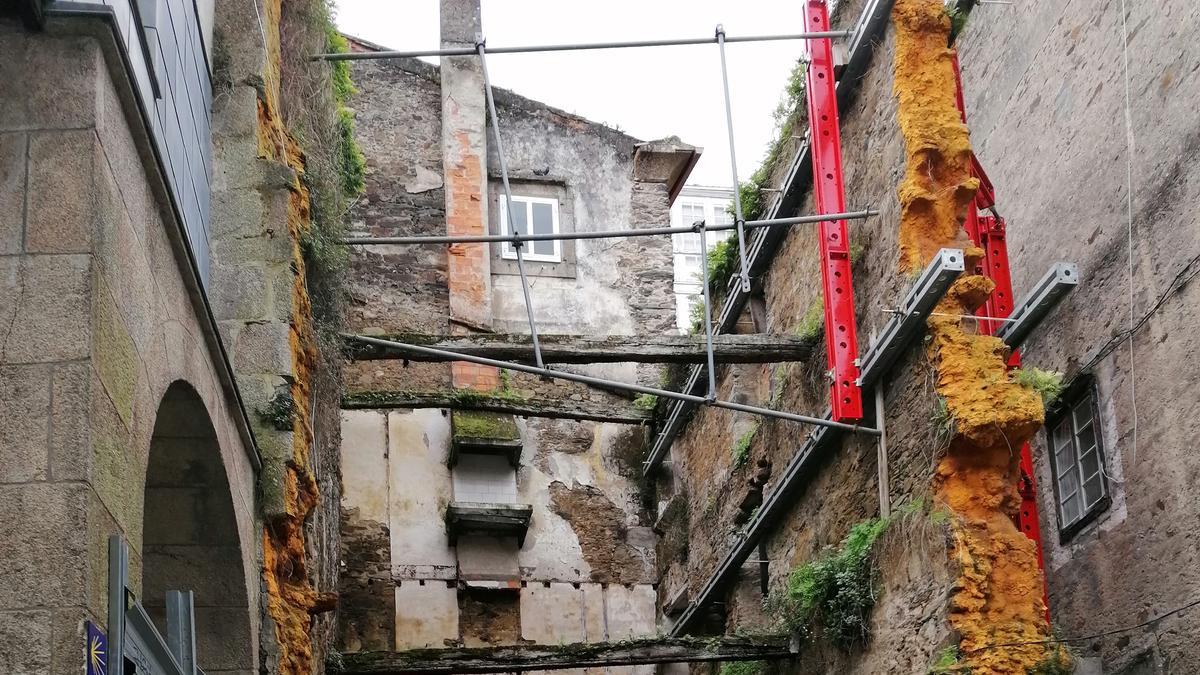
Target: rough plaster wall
{"type": "Point", "coordinates": [558, 613]}
{"type": "Point", "coordinates": [398, 486]}
{"type": "Point", "coordinates": [1138, 560]}
{"type": "Point", "coordinates": [366, 591]}
{"type": "Point", "coordinates": [95, 298]}
{"type": "Point", "coordinates": [622, 286]}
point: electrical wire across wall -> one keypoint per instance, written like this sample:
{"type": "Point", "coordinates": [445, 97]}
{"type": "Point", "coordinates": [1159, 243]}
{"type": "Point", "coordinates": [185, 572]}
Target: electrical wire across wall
{"type": "Point", "coordinates": [1189, 272]}
{"type": "Point", "coordinates": [1085, 638]}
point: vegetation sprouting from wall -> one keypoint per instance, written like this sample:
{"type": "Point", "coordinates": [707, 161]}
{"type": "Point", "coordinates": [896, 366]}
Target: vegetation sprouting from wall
{"type": "Point", "coordinates": [791, 119]}
{"type": "Point", "coordinates": [831, 596]}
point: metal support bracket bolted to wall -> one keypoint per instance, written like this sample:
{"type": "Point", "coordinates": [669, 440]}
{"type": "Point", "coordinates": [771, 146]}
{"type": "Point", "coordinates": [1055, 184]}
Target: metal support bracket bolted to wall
{"type": "Point", "coordinates": [1012, 324]}
{"type": "Point", "coordinates": [841, 342]}
{"type": "Point", "coordinates": [900, 331]}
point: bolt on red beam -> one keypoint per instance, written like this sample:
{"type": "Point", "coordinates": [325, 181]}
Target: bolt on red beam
{"type": "Point", "coordinates": [841, 341]}
{"type": "Point", "coordinates": [988, 232]}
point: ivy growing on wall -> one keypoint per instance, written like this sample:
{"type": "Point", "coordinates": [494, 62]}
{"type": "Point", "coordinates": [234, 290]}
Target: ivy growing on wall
{"type": "Point", "coordinates": [832, 595]}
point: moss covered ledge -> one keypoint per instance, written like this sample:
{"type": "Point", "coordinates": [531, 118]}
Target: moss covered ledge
{"type": "Point", "coordinates": [519, 658]}
{"type": "Point", "coordinates": [484, 433]}
{"type": "Point", "coordinates": [499, 402]}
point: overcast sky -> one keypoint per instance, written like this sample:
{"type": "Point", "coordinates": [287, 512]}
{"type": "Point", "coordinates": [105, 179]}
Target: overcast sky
{"type": "Point", "coordinates": [649, 92]}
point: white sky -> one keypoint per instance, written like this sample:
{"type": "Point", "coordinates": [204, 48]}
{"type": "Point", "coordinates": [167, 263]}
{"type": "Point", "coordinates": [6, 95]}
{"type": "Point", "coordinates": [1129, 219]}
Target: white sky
{"type": "Point", "coordinates": [647, 92]}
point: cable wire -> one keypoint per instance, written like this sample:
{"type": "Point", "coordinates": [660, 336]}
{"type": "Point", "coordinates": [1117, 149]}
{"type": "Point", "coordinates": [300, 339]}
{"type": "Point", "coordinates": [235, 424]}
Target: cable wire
{"type": "Point", "coordinates": [1084, 638]}
{"type": "Point", "coordinates": [1189, 272]}
{"type": "Point", "coordinates": [1131, 147]}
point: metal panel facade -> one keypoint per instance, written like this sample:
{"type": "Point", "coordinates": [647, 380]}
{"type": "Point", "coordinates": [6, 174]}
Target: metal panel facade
{"type": "Point", "coordinates": [180, 115]}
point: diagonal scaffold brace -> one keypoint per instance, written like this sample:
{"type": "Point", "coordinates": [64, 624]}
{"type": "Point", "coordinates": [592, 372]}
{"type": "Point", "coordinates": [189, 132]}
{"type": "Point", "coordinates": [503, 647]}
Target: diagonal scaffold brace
{"type": "Point", "coordinates": [841, 341]}
{"type": "Point", "coordinates": [517, 243]}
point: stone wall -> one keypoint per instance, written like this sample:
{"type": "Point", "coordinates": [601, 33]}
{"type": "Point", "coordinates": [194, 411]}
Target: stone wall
{"type": "Point", "coordinates": [588, 554]}
{"type": "Point", "coordinates": [1045, 97]}
{"type": "Point", "coordinates": [267, 193]}
{"type": "Point", "coordinates": [1068, 201]}
{"type": "Point", "coordinates": [102, 315]}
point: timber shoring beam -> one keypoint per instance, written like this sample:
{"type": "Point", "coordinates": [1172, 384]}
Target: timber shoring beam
{"type": "Point", "coordinates": [761, 348]}
{"type": "Point", "coordinates": [593, 411]}
{"type": "Point", "coordinates": [520, 658]}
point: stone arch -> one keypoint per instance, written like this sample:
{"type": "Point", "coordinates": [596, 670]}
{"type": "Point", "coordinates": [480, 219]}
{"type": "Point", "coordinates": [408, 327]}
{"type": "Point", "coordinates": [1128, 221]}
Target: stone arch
{"type": "Point", "coordinates": [190, 533]}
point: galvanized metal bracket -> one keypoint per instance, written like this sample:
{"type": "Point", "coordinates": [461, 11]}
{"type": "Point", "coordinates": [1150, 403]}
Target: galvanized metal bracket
{"type": "Point", "coordinates": [909, 321]}
{"type": "Point", "coordinates": [931, 286]}
{"type": "Point", "coordinates": [1050, 290]}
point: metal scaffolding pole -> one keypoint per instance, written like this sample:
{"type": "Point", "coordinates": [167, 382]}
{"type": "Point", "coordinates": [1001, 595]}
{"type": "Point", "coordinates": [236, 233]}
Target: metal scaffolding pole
{"type": "Point", "coordinates": [508, 203]}
{"type": "Point", "coordinates": [739, 221]}
{"type": "Point", "coordinates": [605, 234]}
{"type": "Point", "coordinates": [708, 333]}
{"type": "Point", "coordinates": [582, 46]}
{"type": "Point", "coordinates": [636, 388]}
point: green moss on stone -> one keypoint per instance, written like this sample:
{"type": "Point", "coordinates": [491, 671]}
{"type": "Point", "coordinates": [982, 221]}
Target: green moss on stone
{"type": "Point", "coordinates": [744, 668]}
{"type": "Point", "coordinates": [812, 322]}
{"type": "Point", "coordinates": [486, 425]}
{"type": "Point", "coordinates": [741, 450]}
{"type": "Point", "coordinates": [280, 411]}
{"type": "Point", "coordinates": [116, 356]}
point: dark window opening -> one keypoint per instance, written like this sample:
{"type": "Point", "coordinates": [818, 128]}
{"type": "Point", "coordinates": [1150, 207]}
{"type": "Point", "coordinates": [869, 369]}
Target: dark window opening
{"type": "Point", "coordinates": [1077, 459]}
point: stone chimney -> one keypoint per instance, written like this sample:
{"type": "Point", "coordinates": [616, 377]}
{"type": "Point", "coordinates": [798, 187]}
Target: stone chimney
{"type": "Point", "coordinates": [464, 161]}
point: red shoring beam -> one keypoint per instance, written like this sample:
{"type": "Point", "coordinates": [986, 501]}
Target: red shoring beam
{"type": "Point", "coordinates": [988, 233]}
{"type": "Point", "coordinates": [841, 341]}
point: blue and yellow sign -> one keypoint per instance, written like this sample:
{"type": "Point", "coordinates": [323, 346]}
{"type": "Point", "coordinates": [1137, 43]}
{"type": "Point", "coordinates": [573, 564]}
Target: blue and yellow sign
{"type": "Point", "coordinates": [97, 650]}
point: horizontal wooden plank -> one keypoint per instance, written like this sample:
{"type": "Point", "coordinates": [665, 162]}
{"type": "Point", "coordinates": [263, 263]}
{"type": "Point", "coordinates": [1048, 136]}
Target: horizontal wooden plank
{"type": "Point", "coordinates": [520, 658]}
{"type": "Point", "coordinates": [757, 348]}
{"type": "Point", "coordinates": [513, 405]}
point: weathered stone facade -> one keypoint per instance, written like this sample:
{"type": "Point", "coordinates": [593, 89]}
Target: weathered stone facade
{"type": "Point", "coordinates": [1067, 203]}
{"type": "Point", "coordinates": [118, 406]}
{"type": "Point", "coordinates": [584, 568]}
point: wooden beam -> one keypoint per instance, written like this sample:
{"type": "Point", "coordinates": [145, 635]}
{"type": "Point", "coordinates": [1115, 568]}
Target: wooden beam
{"type": "Point", "coordinates": [513, 405]}
{"type": "Point", "coordinates": [520, 658]}
{"type": "Point", "coordinates": [760, 348]}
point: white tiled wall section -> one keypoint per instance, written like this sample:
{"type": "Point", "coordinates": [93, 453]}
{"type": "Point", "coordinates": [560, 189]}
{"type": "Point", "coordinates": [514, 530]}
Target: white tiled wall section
{"type": "Point", "coordinates": [484, 478]}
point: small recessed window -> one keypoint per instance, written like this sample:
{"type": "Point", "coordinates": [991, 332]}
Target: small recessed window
{"type": "Point", "coordinates": [1077, 460]}
{"type": "Point", "coordinates": [531, 215]}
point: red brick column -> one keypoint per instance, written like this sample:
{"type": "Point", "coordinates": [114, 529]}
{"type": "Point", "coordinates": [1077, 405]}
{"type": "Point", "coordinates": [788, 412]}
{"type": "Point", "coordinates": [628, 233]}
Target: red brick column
{"type": "Point", "coordinates": [464, 157]}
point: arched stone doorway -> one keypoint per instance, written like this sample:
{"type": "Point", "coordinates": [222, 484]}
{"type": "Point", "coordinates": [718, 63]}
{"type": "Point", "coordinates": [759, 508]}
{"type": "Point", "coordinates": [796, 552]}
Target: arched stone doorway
{"type": "Point", "coordinates": [190, 538]}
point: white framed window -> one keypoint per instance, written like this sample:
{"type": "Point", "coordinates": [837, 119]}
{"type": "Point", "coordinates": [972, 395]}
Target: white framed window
{"type": "Point", "coordinates": [542, 213]}
{"type": "Point", "coordinates": [1077, 461]}
{"type": "Point", "coordinates": [687, 268]}
{"type": "Point", "coordinates": [721, 215]}
{"type": "Point", "coordinates": [687, 242]}
{"type": "Point", "coordinates": [691, 212]}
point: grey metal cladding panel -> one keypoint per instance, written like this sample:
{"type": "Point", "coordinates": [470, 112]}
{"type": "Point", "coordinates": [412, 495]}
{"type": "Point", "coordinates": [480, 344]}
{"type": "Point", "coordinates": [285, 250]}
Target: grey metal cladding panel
{"type": "Point", "coordinates": [174, 143]}
{"type": "Point", "coordinates": [170, 48]}
{"type": "Point", "coordinates": [205, 196]}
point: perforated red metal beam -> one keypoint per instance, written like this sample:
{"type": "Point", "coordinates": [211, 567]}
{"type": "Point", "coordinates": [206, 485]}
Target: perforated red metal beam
{"type": "Point", "coordinates": [987, 230]}
{"type": "Point", "coordinates": [841, 341]}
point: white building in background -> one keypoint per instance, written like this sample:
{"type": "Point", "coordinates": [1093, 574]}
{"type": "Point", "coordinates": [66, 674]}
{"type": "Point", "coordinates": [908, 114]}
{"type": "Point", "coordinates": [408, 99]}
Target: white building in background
{"type": "Point", "coordinates": [695, 202]}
